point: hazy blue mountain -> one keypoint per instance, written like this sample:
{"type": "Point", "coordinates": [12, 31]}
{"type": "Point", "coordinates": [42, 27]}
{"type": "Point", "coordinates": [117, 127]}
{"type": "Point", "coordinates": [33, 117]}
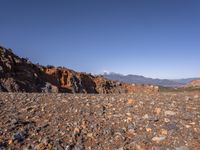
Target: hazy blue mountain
{"type": "Point", "coordinates": [145, 80]}
{"type": "Point", "coordinates": [184, 81]}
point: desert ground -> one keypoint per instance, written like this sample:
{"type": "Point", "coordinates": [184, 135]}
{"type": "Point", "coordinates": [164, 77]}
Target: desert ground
{"type": "Point", "coordinates": [139, 121]}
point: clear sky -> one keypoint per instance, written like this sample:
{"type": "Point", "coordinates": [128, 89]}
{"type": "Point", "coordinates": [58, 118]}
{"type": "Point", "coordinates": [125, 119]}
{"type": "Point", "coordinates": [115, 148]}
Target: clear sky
{"type": "Point", "coordinates": [154, 38]}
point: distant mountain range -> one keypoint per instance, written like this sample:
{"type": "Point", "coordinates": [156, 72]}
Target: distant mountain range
{"type": "Point", "coordinates": [144, 80]}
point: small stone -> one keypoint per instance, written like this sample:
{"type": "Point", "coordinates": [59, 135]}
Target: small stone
{"type": "Point", "coordinates": [148, 129]}
{"type": "Point", "coordinates": [29, 147]}
{"type": "Point", "coordinates": [2, 144]}
{"type": "Point", "coordinates": [139, 147]}
{"type": "Point", "coordinates": [14, 121]}
{"type": "Point", "coordinates": [131, 132]}
{"type": "Point", "coordinates": [171, 126]}
{"type": "Point", "coordinates": [19, 137]}
{"type": "Point", "coordinates": [40, 146]}
{"type": "Point", "coordinates": [129, 119]}
{"type": "Point", "coordinates": [79, 146]}
{"type": "Point", "coordinates": [153, 118]}
{"type": "Point", "coordinates": [58, 146]}
{"type": "Point", "coordinates": [157, 148]}
{"type": "Point", "coordinates": [76, 131]}
{"type": "Point", "coordinates": [44, 125]}
{"type": "Point", "coordinates": [1, 69]}
{"type": "Point", "coordinates": [163, 131]}
{"type": "Point", "coordinates": [187, 98]}
{"type": "Point", "coordinates": [158, 139]}
{"type": "Point", "coordinates": [146, 116]}
{"type": "Point", "coordinates": [10, 142]}
{"type": "Point", "coordinates": [150, 118]}
{"type": "Point", "coordinates": [169, 113]}
{"type": "Point", "coordinates": [128, 114]}
{"type": "Point", "coordinates": [196, 96]}
{"type": "Point", "coordinates": [45, 140]}
{"type": "Point", "coordinates": [166, 120]}
{"type": "Point", "coordinates": [90, 135]}
{"type": "Point", "coordinates": [69, 147]}
{"type": "Point", "coordinates": [131, 101]}
{"type": "Point", "coordinates": [182, 148]}
{"type": "Point", "coordinates": [192, 123]}
{"type": "Point", "coordinates": [50, 146]}
{"type": "Point", "coordinates": [187, 126]}
{"type": "Point", "coordinates": [131, 126]}
{"type": "Point", "coordinates": [157, 111]}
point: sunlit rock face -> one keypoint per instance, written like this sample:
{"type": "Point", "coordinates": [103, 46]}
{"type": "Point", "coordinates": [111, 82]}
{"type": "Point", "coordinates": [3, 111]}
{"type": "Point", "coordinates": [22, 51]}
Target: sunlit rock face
{"type": "Point", "coordinates": [194, 83]}
{"type": "Point", "coordinates": [20, 75]}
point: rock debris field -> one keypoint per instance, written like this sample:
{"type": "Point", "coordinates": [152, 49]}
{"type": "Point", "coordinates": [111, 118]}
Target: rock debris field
{"type": "Point", "coordinates": [157, 121]}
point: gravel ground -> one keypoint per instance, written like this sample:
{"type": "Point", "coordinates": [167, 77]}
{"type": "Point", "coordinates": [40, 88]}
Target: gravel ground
{"type": "Point", "coordinates": [140, 121]}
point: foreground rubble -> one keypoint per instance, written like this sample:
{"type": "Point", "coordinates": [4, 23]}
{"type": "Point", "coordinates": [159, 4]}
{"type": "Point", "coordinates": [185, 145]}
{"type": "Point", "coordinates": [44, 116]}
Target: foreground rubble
{"type": "Point", "coordinates": [155, 121]}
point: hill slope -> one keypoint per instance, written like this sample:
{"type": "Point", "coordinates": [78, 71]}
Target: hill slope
{"type": "Point", "coordinates": [194, 83]}
{"type": "Point", "coordinates": [20, 75]}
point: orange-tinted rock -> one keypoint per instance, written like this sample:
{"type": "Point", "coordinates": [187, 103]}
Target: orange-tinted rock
{"type": "Point", "coordinates": [20, 75]}
{"type": "Point", "coordinates": [194, 83]}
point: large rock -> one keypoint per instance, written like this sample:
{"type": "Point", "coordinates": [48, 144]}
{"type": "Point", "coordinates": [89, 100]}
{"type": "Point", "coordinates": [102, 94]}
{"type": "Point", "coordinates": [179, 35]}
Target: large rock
{"type": "Point", "coordinates": [194, 83]}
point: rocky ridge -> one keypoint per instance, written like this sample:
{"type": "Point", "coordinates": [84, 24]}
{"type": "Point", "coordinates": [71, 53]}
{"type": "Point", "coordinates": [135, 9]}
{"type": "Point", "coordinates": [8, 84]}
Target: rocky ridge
{"type": "Point", "coordinates": [20, 75]}
{"type": "Point", "coordinates": [194, 83]}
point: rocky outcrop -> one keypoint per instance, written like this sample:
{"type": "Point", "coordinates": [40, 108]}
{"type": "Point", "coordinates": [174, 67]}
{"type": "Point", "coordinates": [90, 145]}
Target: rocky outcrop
{"type": "Point", "coordinates": [20, 75]}
{"type": "Point", "coordinates": [194, 83]}
{"type": "Point", "coordinates": [75, 82]}
{"type": "Point", "coordinates": [70, 81]}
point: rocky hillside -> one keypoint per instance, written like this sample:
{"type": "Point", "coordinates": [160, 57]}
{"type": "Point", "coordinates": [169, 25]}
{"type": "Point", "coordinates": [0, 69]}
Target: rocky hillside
{"type": "Point", "coordinates": [20, 75]}
{"type": "Point", "coordinates": [194, 83]}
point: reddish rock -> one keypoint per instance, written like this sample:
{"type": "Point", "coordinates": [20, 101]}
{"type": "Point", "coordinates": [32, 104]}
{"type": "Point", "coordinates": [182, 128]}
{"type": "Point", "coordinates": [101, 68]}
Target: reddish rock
{"type": "Point", "coordinates": [194, 83]}
{"type": "Point", "coordinates": [20, 75]}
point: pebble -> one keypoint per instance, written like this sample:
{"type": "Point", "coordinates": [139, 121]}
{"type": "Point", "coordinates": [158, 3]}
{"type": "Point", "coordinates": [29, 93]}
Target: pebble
{"type": "Point", "coordinates": [69, 147]}
{"type": "Point", "coordinates": [157, 111]}
{"type": "Point", "coordinates": [45, 140]}
{"type": "Point", "coordinates": [170, 113]}
{"type": "Point", "coordinates": [131, 101]}
{"type": "Point", "coordinates": [182, 148]}
{"type": "Point", "coordinates": [148, 129]}
{"type": "Point", "coordinates": [163, 131]}
{"type": "Point", "coordinates": [120, 148]}
{"type": "Point", "coordinates": [158, 138]}
{"type": "Point", "coordinates": [19, 137]}
{"type": "Point", "coordinates": [79, 147]}
{"type": "Point", "coordinates": [166, 120]}
{"type": "Point", "coordinates": [146, 116]}
{"type": "Point", "coordinates": [29, 147]}
{"type": "Point", "coordinates": [171, 126]}
{"type": "Point", "coordinates": [187, 98]}
{"type": "Point", "coordinates": [40, 146]}
{"type": "Point", "coordinates": [2, 144]}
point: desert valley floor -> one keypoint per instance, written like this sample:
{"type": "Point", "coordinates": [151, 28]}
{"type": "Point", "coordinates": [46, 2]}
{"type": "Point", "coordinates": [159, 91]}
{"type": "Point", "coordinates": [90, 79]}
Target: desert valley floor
{"type": "Point", "coordinates": [140, 121]}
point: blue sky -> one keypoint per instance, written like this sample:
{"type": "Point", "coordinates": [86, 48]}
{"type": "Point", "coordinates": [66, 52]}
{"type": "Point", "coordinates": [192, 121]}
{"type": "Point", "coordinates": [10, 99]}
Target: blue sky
{"type": "Point", "coordinates": [158, 38]}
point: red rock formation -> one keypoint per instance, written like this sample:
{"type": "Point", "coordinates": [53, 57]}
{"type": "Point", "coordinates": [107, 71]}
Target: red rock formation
{"type": "Point", "coordinates": [194, 83]}
{"type": "Point", "coordinates": [20, 75]}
